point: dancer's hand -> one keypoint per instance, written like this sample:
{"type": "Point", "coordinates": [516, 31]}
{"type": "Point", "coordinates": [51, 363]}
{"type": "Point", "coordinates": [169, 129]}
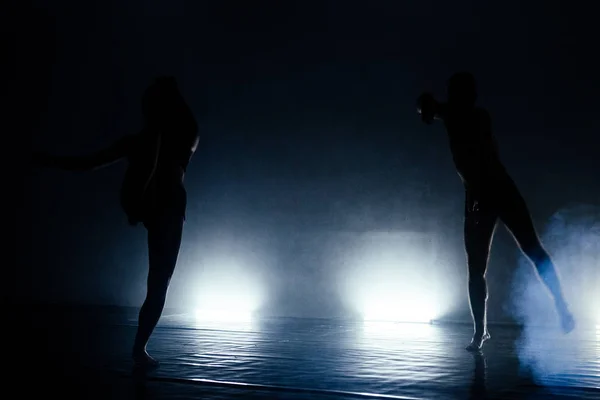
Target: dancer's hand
{"type": "Point", "coordinates": [426, 107]}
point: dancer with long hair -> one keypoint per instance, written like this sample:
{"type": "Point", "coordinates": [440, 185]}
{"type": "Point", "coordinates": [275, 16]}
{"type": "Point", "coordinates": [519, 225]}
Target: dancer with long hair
{"type": "Point", "coordinates": [152, 192]}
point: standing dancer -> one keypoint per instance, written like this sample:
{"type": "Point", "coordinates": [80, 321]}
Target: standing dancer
{"type": "Point", "coordinates": [153, 192]}
{"type": "Point", "coordinates": [491, 194]}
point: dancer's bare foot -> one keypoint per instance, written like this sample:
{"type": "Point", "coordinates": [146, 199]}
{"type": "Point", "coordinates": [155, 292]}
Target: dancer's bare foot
{"type": "Point", "coordinates": [567, 321]}
{"type": "Point", "coordinates": [142, 359]}
{"type": "Point", "coordinates": [477, 342]}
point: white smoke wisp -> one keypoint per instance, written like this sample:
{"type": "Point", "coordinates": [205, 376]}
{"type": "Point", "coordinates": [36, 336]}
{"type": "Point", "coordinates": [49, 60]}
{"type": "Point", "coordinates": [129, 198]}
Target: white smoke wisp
{"type": "Point", "coordinates": [572, 237]}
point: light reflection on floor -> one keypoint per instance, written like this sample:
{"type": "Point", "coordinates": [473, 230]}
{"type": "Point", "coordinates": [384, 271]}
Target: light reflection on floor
{"type": "Point", "coordinates": [319, 358]}
{"type": "Point", "coordinates": [385, 358]}
{"type": "Point", "coordinates": [223, 320]}
{"type": "Point", "coordinates": [388, 330]}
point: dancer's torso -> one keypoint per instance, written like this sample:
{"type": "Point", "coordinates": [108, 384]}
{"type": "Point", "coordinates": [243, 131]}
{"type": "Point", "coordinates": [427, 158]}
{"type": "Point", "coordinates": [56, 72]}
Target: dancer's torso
{"type": "Point", "coordinates": [165, 192]}
{"type": "Point", "coordinates": [473, 148]}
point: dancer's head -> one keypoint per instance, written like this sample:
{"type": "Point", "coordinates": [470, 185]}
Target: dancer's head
{"type": "Point", "coordinates": [462, 89]}
{"type": "Point", "coordinates": [159, 96]}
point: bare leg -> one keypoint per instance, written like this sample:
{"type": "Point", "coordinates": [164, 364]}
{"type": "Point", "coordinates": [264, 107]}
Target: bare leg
{"type": "Point", "coordinates": [164, 239]}
{"type": "Point", "coordinates": [480, 224]}
{"type": "Point", "coordinates": [516, 217]}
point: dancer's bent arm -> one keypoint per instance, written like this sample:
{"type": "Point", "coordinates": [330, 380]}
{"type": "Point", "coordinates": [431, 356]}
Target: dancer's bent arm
{"type": "Point", "coordinates": [117, 151]}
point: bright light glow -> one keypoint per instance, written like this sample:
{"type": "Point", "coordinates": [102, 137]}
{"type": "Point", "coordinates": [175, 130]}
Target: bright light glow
{"type": "Point", "coordinates": [228, 310]}
{"type": "Point", "coordinates": [391, 277]}
{"type": "Point", "coordinates": [390, 305]}
{"type": "Point", "coordinates": [229, 288]}
{"type": "Point", "coordinates": [226, 302]}
{"type": "Point", "coordinates": [223, 315]}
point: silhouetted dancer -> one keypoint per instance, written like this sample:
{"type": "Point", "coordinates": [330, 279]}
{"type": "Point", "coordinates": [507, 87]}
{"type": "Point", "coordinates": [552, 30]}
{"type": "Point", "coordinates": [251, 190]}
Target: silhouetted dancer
{"type": "Point", "coordinates": [491, 194]}
{"type": "Point", "coordinates": [153, 192]}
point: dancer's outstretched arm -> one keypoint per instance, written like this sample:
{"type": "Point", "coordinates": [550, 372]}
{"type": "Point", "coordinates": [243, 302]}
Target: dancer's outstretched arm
{"type": "Point", "coordinates": [429, 108]}
{"type": "Point", "coordinates": [117, 151]}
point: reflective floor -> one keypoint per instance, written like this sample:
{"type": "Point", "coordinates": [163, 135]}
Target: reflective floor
{"type": "Point", "coordinates": [310, 359]}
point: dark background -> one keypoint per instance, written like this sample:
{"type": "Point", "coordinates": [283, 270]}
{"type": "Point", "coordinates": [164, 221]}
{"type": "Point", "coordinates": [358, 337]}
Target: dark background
{"type": "Point", "coordinates": [309, 135]}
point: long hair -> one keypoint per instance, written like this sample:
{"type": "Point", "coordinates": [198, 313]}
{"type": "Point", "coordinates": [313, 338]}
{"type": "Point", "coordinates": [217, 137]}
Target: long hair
{"type": "Point", "coordinates": [166, 112]}
{"type": "Point", "coordinates": [164, 106]}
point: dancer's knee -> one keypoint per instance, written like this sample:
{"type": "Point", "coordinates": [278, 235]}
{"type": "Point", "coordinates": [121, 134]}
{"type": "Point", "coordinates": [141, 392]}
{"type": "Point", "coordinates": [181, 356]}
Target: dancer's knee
{"type": "Point", "coordinates": [535, 252]}
{"type": "Point", "coordinates": [158, 287]}
{"type": "Point", "coordinates": [477, 276]}
{"type": "Point", "coordinates": [477, 264]}
{"type": "Point", "coordinates": [541, 259]}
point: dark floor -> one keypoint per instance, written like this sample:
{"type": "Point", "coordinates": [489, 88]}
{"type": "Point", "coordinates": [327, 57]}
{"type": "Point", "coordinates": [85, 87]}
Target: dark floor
{"type": "Point", "coordinates": [84, 353]}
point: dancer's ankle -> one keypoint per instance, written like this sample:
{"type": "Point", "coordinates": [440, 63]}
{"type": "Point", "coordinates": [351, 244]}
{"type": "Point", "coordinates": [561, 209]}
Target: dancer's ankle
{"type": "Point", "coordinates": [480, 331]}
{"type": "Point", "coordinates": [138, 350]}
